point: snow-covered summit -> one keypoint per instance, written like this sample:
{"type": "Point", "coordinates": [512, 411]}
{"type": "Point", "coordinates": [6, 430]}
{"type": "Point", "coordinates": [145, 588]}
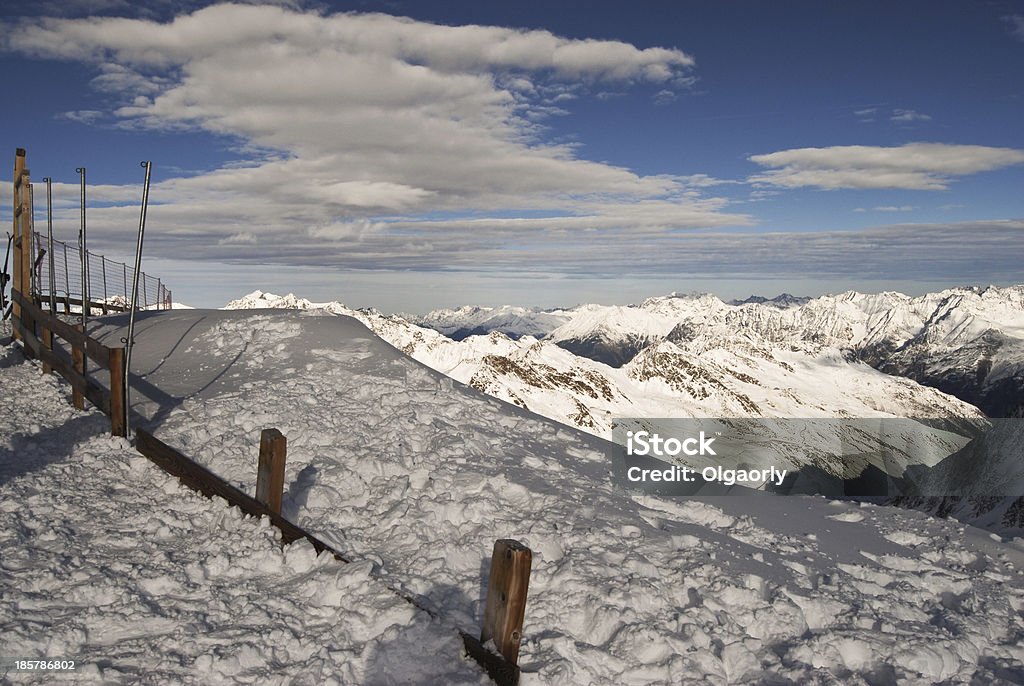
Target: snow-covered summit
{"type": "Point", "coordinates": [966, 341]}
{"type": "Point", "coordinates": [512, 321]}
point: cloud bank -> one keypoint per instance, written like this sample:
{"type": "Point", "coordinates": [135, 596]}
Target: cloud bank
{"type": "Point", "coordinates": [914, 166]}
{"type": "Point", "coordinates": [355, 125]}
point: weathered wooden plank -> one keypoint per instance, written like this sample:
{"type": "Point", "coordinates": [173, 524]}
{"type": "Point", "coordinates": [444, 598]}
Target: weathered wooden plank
{"type": "Point", "coordinates": [98, 396]}
{"type": "Point", "coordinates": [506, 597]}
{"type": "Point", "coordinates": [78, 364]}
{"type": "Point", "coordinates": [30, 344]}
{"type": "Point", "coordinates": [19, 167]}
{"type": "Point", "coordinates": [46, 339]}
{"type": "Point", "coordinates": [96, 304]}
{"type": "Point", "coordinates": [270, 470]}
{"type": "Point", "coordinates": [201, 479]}
{"type": "Point", "coordinates": [80, 385]}
{"type": "Point", "coordinates": [25, 286]}
{"type": "Point", "coordinates": [72, 333]}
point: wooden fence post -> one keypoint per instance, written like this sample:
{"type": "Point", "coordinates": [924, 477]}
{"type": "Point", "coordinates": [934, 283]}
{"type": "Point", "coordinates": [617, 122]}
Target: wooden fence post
{"type": "Point", "coordinates": [19, 208]}
{"type": "Point", "coordinates": [26, 238]}
{"type": "Point", "coordinates": [506, 597]}
{"type": "Point", "coordinates": [270, 472]}
{"type": "Point", "coordinates": [118, 411]}
{"type": "Point", "coordinates": [78, 363]}
{"type": "Point", "coordinates": [46, 339]}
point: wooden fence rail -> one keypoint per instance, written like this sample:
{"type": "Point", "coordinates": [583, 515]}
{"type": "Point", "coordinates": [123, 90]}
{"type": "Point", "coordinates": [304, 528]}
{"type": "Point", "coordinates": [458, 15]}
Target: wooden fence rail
{"type": "Point", "coordinates": [510, 564]}
{"type": "Point", "coordinates": [110, 400]}
{"type": "Point", "coordinates": [104, 307]}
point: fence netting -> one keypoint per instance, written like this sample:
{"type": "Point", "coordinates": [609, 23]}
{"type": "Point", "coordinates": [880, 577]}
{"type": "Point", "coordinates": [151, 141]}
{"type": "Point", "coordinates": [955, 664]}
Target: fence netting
{"type": "Point", "coordinates": [110, 282]}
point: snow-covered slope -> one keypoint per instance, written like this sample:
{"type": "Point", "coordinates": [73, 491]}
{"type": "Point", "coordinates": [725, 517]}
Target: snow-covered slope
{"type": "Point", "coordinates": [393, 462]}
{"type": "Point", "coordinates": [108, 561]}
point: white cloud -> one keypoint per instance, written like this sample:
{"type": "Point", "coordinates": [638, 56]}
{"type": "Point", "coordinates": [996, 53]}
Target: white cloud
{"type": "Point", "coordinates": [914, 166]}
{"type": "Point", "coordinates": [222, 29]}
{"type": "Point", "coordinates": [888, 208]}
{"type": "Point", "coordinates": [378, 125]}
{"type": "Point", "coordinates": [702, 181]}
{"type": "Point", "coordinates": [1016, 23]}
{"type": "Point", "coordinates": [664, 97]}
{"type": "Point", "coordinates": [866, 115]}
{"type": "Point", "coordinates": [908, 116]}
{"type": "Point", "coordinates": [81, 116]}
{"type": "Point", "coordinates": [370, 127]}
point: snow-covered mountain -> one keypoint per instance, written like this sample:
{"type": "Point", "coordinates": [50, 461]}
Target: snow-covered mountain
{"type": "Point", "coordinates": [968, 342]}
{"type": "Point", "coordinates": [782, 300]}
{"type": "Point", "coordinates": [514, 322]}
{"type": "Point", "coordinates": [720, 373]}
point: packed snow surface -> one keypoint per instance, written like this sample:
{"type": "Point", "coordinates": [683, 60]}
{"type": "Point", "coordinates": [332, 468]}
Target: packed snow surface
{"type": "Point", "coordinates": [416, 475]}
{"type": "Point", "coordinates": [110, 562]}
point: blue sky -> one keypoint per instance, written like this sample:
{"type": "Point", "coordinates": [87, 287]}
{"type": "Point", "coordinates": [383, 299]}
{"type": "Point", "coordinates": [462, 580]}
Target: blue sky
{"type": "Point", "coordinates": [412, 155]}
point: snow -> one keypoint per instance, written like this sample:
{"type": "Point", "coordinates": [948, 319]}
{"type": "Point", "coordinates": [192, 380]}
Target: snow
{"type": "Point", "coordinates": [109, 561]}
{"type": "Point", "coordinates": [414, 475]}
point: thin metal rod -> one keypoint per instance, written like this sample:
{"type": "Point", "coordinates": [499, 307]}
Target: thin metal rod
{"type": "Point", "coordinates": [130, 341]}
{"type": "Point", "coordinates": [82, 251]}
{"type": "Point", "coordinates": [49, 243]}
{"type": "Point", "coordinates": [33, 287]}
{"type": "Point", "coordinates": [67, 276]}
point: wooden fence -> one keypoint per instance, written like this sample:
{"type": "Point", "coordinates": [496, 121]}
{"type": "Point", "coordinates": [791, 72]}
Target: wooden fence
{"type": "Point", "coordinates": [510, 561]}
{"type": "Point", "coordinates": [41, 333]}
{"type": "Point", "coordinates": [65, 348]}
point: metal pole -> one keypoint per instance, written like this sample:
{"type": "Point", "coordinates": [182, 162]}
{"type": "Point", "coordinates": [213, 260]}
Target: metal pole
{"type": "Point", "coordinates": [130, 341]}
{"type": "Point", "coordinates": [32, 285]}
{"type": "Point", "coordinates": [49, 243]}
{"type": "Point", "coordinates": [103, 263]}
{"type": "Point", "coordinates": [82, 251]}
{"type": "Point", "coordinates": [67, 279]}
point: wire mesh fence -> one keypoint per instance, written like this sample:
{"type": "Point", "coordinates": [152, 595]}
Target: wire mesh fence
{"type": "Point", "coordinates": [59, 272]}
